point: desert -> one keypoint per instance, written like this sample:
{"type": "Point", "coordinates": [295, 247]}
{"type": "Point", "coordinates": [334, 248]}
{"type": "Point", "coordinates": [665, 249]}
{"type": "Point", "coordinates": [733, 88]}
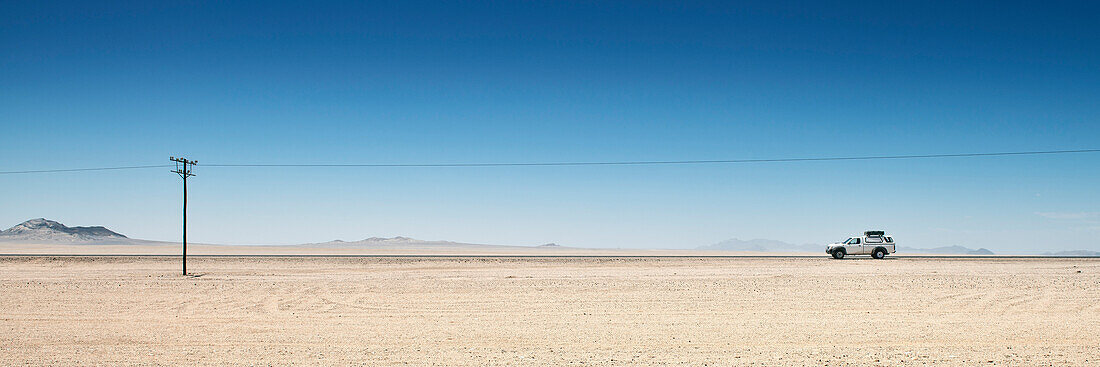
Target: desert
{"type": "Point", "coordinates": [596, 310]}
{"type": "Point", "coordinates": [549, 183]}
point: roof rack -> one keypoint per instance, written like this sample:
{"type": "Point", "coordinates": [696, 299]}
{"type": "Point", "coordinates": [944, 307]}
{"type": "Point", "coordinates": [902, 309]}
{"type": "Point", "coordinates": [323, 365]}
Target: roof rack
{"type": "Point", "coordinates": [875, 233]}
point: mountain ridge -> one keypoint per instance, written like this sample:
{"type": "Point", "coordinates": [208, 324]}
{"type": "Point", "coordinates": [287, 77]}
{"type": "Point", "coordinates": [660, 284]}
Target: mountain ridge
{"type": "Point", "coordinates": [768, 245]}
{"type": "Point", "coordinates": [760, 245]}
{"type": "Point", "coordinates": [45, 231]}
{"type": "Point", "coordinates": [399, 241]}
{"type": "Point", "coordinates": [1072, 253]}
{"type": "Point", "coordinates": [42, 229]}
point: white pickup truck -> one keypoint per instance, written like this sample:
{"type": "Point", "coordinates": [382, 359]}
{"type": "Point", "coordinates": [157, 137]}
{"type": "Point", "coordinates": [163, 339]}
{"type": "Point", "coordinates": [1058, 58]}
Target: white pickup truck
{"type": "Point", "coordinates": [874, 243]}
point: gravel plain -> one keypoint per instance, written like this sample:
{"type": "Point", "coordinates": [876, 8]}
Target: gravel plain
{"type": "Point", "coordinates": [581, 311]}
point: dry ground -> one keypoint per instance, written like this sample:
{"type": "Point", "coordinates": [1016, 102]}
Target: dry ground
{"type": "Point", "coordinates": [549, 311]}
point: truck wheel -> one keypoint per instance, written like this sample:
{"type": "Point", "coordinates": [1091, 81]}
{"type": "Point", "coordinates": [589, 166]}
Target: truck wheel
{"type": "Point", "coordinates": [838, 254]}
{"type": "Point", "coordinates": [880, 253]}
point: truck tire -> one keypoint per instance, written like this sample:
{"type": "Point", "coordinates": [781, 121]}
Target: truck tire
{"type": "Point", "coordinates": [838, 254]}
{"type": "Point", "coordinates": [880, 253]}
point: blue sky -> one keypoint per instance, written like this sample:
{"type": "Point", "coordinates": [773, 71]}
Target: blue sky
{"type": "Point", "coordinates": [86, 84]}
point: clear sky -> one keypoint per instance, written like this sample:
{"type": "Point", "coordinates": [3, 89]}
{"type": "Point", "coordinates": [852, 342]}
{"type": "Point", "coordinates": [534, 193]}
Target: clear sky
{"type": "Point", "coordinates": [87, 83]}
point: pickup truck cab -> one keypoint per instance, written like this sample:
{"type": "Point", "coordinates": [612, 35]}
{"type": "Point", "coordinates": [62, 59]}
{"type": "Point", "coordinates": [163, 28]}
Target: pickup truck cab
{"type": "Point", "coordinates": [874, 243]}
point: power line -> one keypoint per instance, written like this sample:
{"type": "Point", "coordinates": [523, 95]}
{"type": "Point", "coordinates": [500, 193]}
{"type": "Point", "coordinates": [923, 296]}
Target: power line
{"type": "Point", "coordinates": [581, 163]}
{"type": "Point", "coordinates": [626, 163]}
{"type": "Point", "coordinates": [85, 169]}
{"type": "Point", "coordinates": [183, 168]}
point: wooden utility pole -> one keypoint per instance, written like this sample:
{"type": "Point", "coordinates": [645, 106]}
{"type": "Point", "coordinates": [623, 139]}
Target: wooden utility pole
{"type": "Point", "coordinates": [183, 168]}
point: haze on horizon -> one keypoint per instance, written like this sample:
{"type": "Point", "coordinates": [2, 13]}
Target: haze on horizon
{"type": "Point", "coordinates": [132, 83]}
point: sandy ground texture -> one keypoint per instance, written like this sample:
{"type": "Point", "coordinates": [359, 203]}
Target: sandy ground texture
{"type": "Point", "coordinates": [549, 311]}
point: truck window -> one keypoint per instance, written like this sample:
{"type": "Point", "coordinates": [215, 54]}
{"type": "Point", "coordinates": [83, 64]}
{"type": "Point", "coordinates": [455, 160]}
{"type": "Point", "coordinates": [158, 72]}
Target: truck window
{"type": "Point", "coordinates": [855, 241]}
{"type": "Point", "coordinates": [888, 239]}
{"type": "Point", "coordinates": [874, 239]}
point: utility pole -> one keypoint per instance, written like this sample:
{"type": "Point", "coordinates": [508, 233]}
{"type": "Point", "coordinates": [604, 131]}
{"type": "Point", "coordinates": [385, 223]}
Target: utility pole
{"type": "Point", "coordinates": [183, 168]}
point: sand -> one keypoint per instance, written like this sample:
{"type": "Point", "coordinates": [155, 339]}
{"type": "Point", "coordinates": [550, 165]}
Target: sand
{"type": "Point", "coordinates": [549, 311]}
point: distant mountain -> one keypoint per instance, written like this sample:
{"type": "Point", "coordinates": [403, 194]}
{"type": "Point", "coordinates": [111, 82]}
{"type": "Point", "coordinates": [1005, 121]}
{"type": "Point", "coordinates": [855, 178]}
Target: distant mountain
{"type": "Point", "coordinates": [392, 242]}
{"type": "Point", "coordinates": [45, 230]}
{"type": "Point", "coordinates": [1073, 253]}
{"type": "Point", "coordinates": [946, 250]}
{"type": "Point", "coordinates": [765, 245]}
{"type": "Point", "coordinates": [406, 243]}
{"type": "Point", "coordinates": [761, 245]}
